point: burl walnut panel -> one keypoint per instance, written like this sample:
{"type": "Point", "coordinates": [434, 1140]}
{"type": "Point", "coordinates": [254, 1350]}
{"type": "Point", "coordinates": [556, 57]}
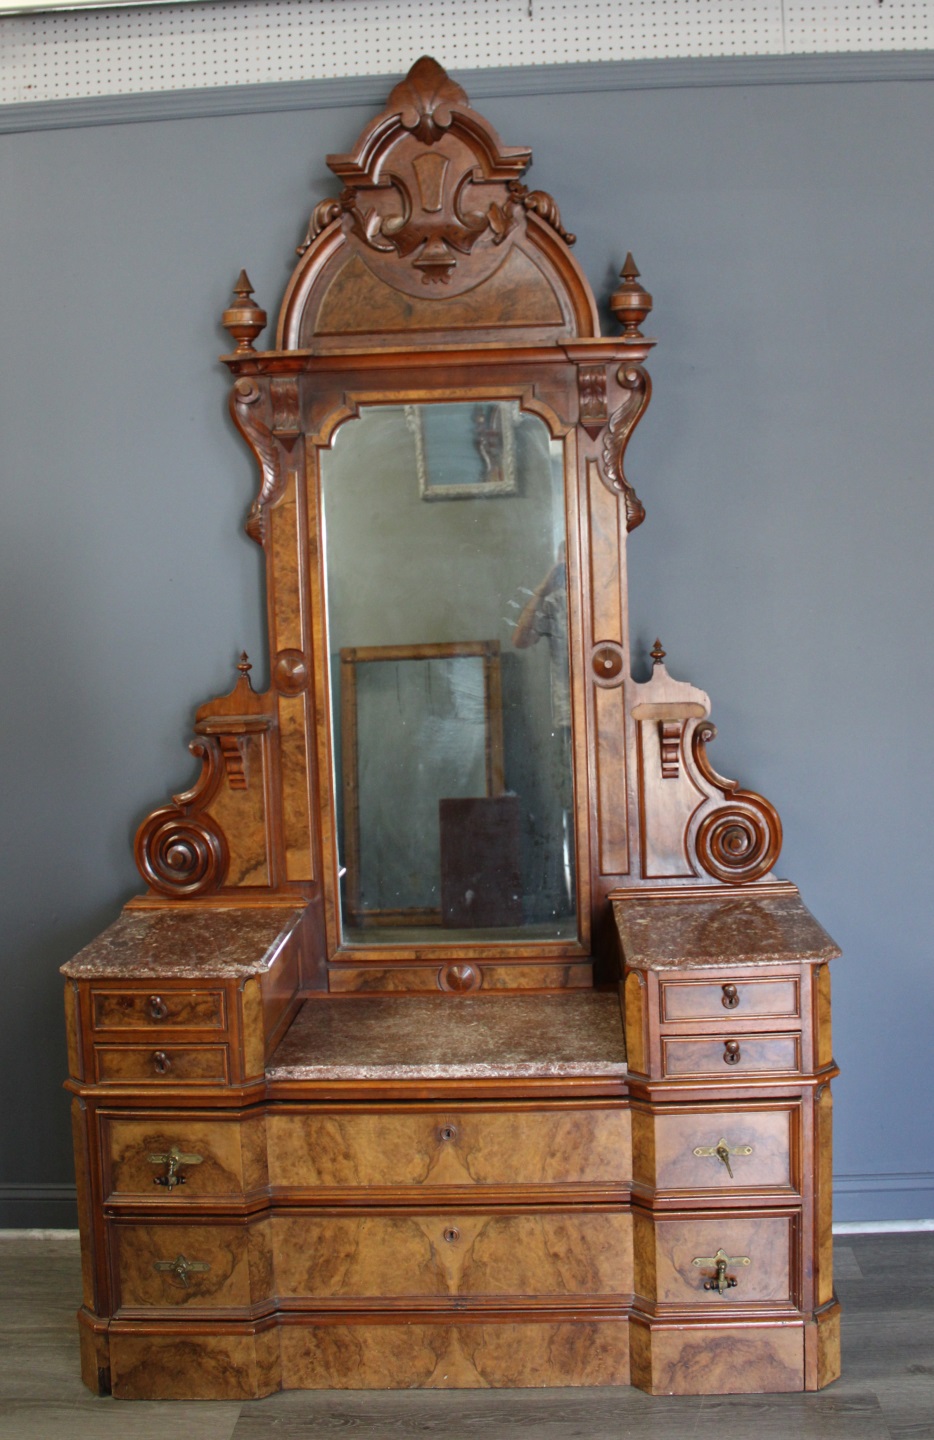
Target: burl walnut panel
{"type": "Point", "coordinates": [139, 1010]}
{"type": "Point", "coordinates": [232, 1157]}
{"type": "Point", "coordinates": [696, 1000]}
{"type": "Point", "coordinates": [449, 1147]}
{"type": "Point", "coordinates": [717, 1360]}
{"type": "Point", "coordinates": [664, 1146]}
{"type": "Point", "coordinates": [189, 1366]}
{"type": "Point", "coordinates": [505, 1256]}
{"type": "Point", "coordinates": [465, 1355]}
{"type": "Point", "coordinates": [160, 1064]}
{"type": "Point", "coordinates": [755, 1054]}
{"type": "Point", "coordinates": [666, 1274]}
{"type": "Point", "coordinates": [216, 1266]}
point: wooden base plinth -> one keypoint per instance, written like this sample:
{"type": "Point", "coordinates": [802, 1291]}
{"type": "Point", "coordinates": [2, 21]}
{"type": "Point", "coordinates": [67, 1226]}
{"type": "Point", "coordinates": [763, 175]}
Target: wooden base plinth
{"type": "Point", "coordinates": [678, 1358]}
{"type": "Point", "coordinates": [292, 1352]}
{"type": "Point", "coordinates": [822, 1347]}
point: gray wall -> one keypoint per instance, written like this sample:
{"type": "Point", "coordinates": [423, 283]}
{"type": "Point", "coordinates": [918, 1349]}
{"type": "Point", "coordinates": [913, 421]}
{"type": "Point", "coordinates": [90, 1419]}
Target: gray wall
{"type": "Point", "coordinates": [785, 231]}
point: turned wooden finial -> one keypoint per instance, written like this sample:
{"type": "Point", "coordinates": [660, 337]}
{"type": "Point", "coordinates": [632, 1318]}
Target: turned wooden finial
{"type": "Point", "coordinates": [630, 303]}
{"type": "Point", "coordinates": [244, 319]}
{"type": "Point", "coordinates": [244, 666]}
{"type": "Point", "coordinates": [658, 654]}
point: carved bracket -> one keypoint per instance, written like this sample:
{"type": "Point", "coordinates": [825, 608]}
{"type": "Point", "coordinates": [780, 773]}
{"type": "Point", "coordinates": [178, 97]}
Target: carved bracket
{"type": "Point", "coordinates": [635, 379]}
{"type": "Point", "coordinates": [669, 741]}
{"type": "Point", "coordinates": [246, 411]}
{"type": "Point", "coordinates": [591, 392]}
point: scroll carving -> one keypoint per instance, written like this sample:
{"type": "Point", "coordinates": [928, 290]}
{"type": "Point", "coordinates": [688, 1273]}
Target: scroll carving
{"type": "Point", "coordinates": [540, 203]}
{"type": "Point", "coordinates": [245, 410]}
{"type": "Point", "coordinates": [740, 841]}
{"type": "Point", "coordinates": [179, 851]}
{"type": "Point", "coordinates": [323, 215]}
{"type": "Point", "coordinates": [635, 379]}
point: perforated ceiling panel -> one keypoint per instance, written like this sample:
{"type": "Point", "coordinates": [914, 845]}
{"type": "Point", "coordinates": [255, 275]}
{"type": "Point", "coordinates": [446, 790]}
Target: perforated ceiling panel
{"type": "Point", "coordinates": [58, 55]}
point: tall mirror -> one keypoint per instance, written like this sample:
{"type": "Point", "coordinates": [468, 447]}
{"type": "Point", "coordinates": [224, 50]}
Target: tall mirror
{"type": "Point", "coordinates": [444, 530]}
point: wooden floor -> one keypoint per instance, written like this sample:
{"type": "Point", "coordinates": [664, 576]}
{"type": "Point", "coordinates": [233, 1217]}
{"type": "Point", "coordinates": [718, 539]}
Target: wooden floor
{"type": "Point", "coordinates": [886, 1284]}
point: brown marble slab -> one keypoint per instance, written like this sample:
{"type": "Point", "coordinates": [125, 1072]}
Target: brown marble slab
{"type": "Point", "coordinates": [216, 943]}
{"type": "Point", "coordinates": [453, 1036]}
{"type": "Point", "coordinates": [710, 933]}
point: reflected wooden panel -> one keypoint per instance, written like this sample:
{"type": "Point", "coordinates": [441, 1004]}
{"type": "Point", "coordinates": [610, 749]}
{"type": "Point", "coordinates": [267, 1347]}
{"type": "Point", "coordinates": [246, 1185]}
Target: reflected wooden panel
{"type": "Point", "coordinates": [419, 724]}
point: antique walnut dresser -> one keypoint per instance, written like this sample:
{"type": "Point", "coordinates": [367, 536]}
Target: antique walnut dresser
{"type": "Point", "coordinates": [463, 1035]}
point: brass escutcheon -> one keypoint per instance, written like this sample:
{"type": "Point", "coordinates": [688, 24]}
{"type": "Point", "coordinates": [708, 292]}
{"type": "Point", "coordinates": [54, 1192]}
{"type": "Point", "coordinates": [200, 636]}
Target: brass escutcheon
{"type": "Point", "coordinates": [723, 1151]}
{"type": "Point", "coordinates": [720, 1281]}
{"type": "Point", "coordinates": [180, 1268]}
{"type": "Point", "coordinates": [172, 1159]}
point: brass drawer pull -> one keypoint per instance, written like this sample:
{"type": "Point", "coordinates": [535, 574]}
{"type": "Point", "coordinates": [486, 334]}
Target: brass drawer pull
{"type": "Point", "coordinates": [731, 1052]}
{"type": "Point", "coordinates": [180, 1268]}
{"type": "Point", "coordinates": [720, 1280]}
{"type": "Point", "coordinates": [158, 1009]}
{"type": "Point", "coordinates": [172, 1159]}
{"type": "Point", "coordinates": [723, 1151]}
{"type": "Point", "coordinates": [161, 1062]}
{"type": "Point", "coordinates": [730, 997]}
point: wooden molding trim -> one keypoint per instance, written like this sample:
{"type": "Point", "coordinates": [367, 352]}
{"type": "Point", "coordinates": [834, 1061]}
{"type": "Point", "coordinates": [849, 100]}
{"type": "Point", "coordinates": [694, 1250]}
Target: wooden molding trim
{"type": "Point", "coordinates": [370, 90]}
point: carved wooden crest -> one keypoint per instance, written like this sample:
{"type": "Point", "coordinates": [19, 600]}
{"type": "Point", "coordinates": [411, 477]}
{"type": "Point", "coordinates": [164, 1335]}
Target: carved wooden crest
{"type": "Point", "coordinates": [432, 197]}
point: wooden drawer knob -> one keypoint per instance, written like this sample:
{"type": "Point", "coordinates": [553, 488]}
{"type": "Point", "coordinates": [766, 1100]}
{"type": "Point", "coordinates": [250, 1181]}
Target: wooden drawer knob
{"type": "Point", "coordinates": [161, 1062]}
{"type": "Point", "coordinates": [731, 1052]}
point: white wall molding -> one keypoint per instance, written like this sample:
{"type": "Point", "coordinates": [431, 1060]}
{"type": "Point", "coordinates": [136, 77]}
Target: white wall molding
{"type": "Point", "coordinates": [512, 81]}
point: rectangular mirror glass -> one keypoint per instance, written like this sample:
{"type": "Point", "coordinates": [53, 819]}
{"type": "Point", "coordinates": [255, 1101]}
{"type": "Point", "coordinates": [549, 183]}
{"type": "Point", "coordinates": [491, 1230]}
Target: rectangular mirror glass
{"type": "Point", "coordinates": [448, 642]}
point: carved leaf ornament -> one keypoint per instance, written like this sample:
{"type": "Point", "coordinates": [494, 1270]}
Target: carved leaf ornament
{"type": "Point", "coordinates": [432, 208]}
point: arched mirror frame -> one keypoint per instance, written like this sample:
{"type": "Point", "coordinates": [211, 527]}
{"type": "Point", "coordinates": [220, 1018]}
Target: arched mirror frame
{"type": "Point", "coordinates": [438, 275]}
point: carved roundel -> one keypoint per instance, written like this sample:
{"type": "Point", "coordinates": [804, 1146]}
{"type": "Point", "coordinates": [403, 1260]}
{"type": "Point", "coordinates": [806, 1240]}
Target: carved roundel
{"type": "Point", "coordinates": [607, 664]}
{"type": "Point", "coordinates": [180, 856]}
{"type": "Point", "coordinates": [739, 843]}
{"type": "Point", "coordinates": [290, 672]}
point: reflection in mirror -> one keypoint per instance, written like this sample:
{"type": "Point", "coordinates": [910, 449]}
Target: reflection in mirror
{"type": "Point", "coordinates": [451, 722]}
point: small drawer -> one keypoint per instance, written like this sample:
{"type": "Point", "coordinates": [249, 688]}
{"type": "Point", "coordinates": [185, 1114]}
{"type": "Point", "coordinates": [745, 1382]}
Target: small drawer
{"type": "Point", "coordinates": [192, 1267]}
{"type": "Point", "coordinates": [142, 1009]}
{"type": "Point", "coordinates": [727, 1056]}
{"type": "Point", "coordinates": [755, 1255]}
{"type": "Point", "coordinates": [704, 1150]}
{"type": "Point", "coordinates": [699, 1000]}
{"type": "Point", "coordinates": [177, 1159]}
{"type": "Point", "coordinates": [463, 1148]}
{"type": "Point", "coordinates": [160, 1065]}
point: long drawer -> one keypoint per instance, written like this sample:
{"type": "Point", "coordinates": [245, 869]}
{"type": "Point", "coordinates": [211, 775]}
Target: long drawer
{"type": "Point", "coordinates": [340, 1259]}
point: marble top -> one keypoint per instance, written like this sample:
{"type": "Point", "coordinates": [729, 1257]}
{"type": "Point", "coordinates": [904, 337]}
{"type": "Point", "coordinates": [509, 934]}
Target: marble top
{"type": "Point", "coordinates": [220, 943]}
{"type": "Point", "coordinates": [707, 933]}
{"type": "Point", "coordinates": [453, 1037]}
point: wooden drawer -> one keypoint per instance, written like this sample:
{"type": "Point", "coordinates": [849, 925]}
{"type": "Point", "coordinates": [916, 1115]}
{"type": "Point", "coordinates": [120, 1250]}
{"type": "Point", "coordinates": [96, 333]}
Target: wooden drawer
{"type": "Point", "coordinates": [710, 1055]}
{"type": "Point", "coordinates": [160, 1065]}
{"type": "Point", "coordinates": [331, 1259]}
{"type": "Point", "coordinates": [433, 1147]}
{"type": "Point", "coordinates": [179, 1267]}
{"type": "Point", "coordinates": [180, 1159]}
{"type": "Point", "coordinates": [700, 1000]}
{"type": "Point", "coordinates": [554, 1254]}
{"type": "Point", "coordinates": [758, 1251]}
{"type": "Point", "coordinates": [756, 1146]}
{"type": "Point", "coordinates": [142, 1009]}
